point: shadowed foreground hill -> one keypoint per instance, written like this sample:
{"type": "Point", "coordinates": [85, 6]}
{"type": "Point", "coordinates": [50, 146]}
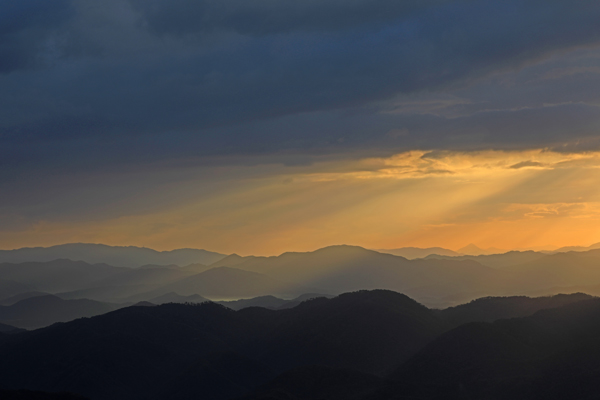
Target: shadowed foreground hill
{"type": "Point", "coordinates": [363, 345]}
{"type": "Point", "coordinates": [489, 309]}
{"type": "Point", "coordinates": [554, 354]}
{"type": "Point", "coordinates": [317, 382]}
{"type": "Point", "coordinates": [4, 328]}
{"type": "Point", "coordinates": [138, 352]}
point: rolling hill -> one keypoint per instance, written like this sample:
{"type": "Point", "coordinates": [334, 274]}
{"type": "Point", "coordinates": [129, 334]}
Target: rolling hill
{"type": "Point", "coordinates": [363, 345]}
{"type": "Point", "coordinates": [138, 352]}
{"type": "Point", "coordinates": [553, 354]}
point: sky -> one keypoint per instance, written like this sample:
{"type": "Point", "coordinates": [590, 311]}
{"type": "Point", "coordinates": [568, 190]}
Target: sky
{"type": "Point", "coordinates": [265, 126]}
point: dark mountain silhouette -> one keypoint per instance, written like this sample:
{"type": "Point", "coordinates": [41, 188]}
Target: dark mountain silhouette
{"type": "Point", "coordinates": [553, 354]}
{"type": "Point", "coordinates": [511, 258]}
{"type": "Point", "coordinates": [300, 299]}
{"type": "Point", "coordinates": [4, 328]}
{"type": "Point", "coordinates": [9, 288]}
{"type": "Point", "coordinates": [173, 297]}
{"type": "Point", "coordinates": [130, 256]}
{"type": "Point", "coordinates": [36, 312]}
{"type": "Point", "coordinates": [15, 299]}
{"type": "Point", "coordinates": [310, 296]}
{"type": "Point", "coordinates": [414, 252]}
{"type": "Point", "coordinates": [144, 304]}
{"type": "Point", "coordinates": [220, 375]}
{"type": "Point", "coordinates": [363, 345]}
{"type": "Point", "coordinates": [318, 382]}
{"type": "Point", "coordinates": [58, 275]}
{"type": "Point", "coordinates": [489, 309]}
{"type": "Point", "coordinates": [140, 352]}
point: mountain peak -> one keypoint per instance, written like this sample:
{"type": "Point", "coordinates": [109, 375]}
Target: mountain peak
{"type": "Point", "coordinates": [471, 248]}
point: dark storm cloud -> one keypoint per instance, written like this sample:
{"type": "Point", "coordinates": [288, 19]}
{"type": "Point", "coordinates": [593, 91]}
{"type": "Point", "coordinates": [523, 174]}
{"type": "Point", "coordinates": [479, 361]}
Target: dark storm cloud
{"type": "Point", "coordinates": [26, 31]}
{"type": "Point", "coordinates": [263, 17]}
{"type": "Point", "coordinates": [188, 79]}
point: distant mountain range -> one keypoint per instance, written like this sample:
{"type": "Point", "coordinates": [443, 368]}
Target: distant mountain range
{"type": "Point", "coordinates": [497, 261]}
{"type": "Point", "coordinates": [436, 281]}
{"type": "Point", "coordinates": [363, 345]}
{"type": "Point", "coordinates": [118, 256]}
{"type": "Point", "coordinates": [474, 250]}
{"type": "Point", "coordinates": [329, 324]}
{"type": "Point", "coordinates": [415, 252]}
{"type": "Point", "coordinates": [577, 248]}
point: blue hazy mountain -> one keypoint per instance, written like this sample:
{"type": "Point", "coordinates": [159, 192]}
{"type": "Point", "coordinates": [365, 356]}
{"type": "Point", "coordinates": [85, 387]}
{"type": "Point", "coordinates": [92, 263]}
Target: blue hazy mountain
{"type": "Point", "coordinates": [118, 256]}
{"type": "Point", "coordinates": [40, 311]}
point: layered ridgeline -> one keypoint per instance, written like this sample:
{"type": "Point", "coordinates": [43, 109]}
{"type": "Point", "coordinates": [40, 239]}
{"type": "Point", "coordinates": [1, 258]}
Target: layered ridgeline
{"type": "Point", "coordinates": [435, 281]}
{"type": "Point", "coordinates": [119, 256]}
{"type": "Point", "coordinates": [363, 345]}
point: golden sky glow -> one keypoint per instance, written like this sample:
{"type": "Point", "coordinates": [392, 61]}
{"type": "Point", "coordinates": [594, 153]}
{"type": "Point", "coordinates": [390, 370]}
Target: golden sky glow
{"type": "Point", "coordinates": [502, 199]}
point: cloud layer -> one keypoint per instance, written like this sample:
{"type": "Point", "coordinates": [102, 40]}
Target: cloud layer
{"type": "Point", "coordinates": [194, 73]}
{"type": "Point", "coordinates": [104, 105]}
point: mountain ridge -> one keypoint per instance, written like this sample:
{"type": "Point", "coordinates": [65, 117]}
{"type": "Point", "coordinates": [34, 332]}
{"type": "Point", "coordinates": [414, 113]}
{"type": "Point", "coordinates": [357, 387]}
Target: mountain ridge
{"type": "Point", "coordinates": [118, 256]}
